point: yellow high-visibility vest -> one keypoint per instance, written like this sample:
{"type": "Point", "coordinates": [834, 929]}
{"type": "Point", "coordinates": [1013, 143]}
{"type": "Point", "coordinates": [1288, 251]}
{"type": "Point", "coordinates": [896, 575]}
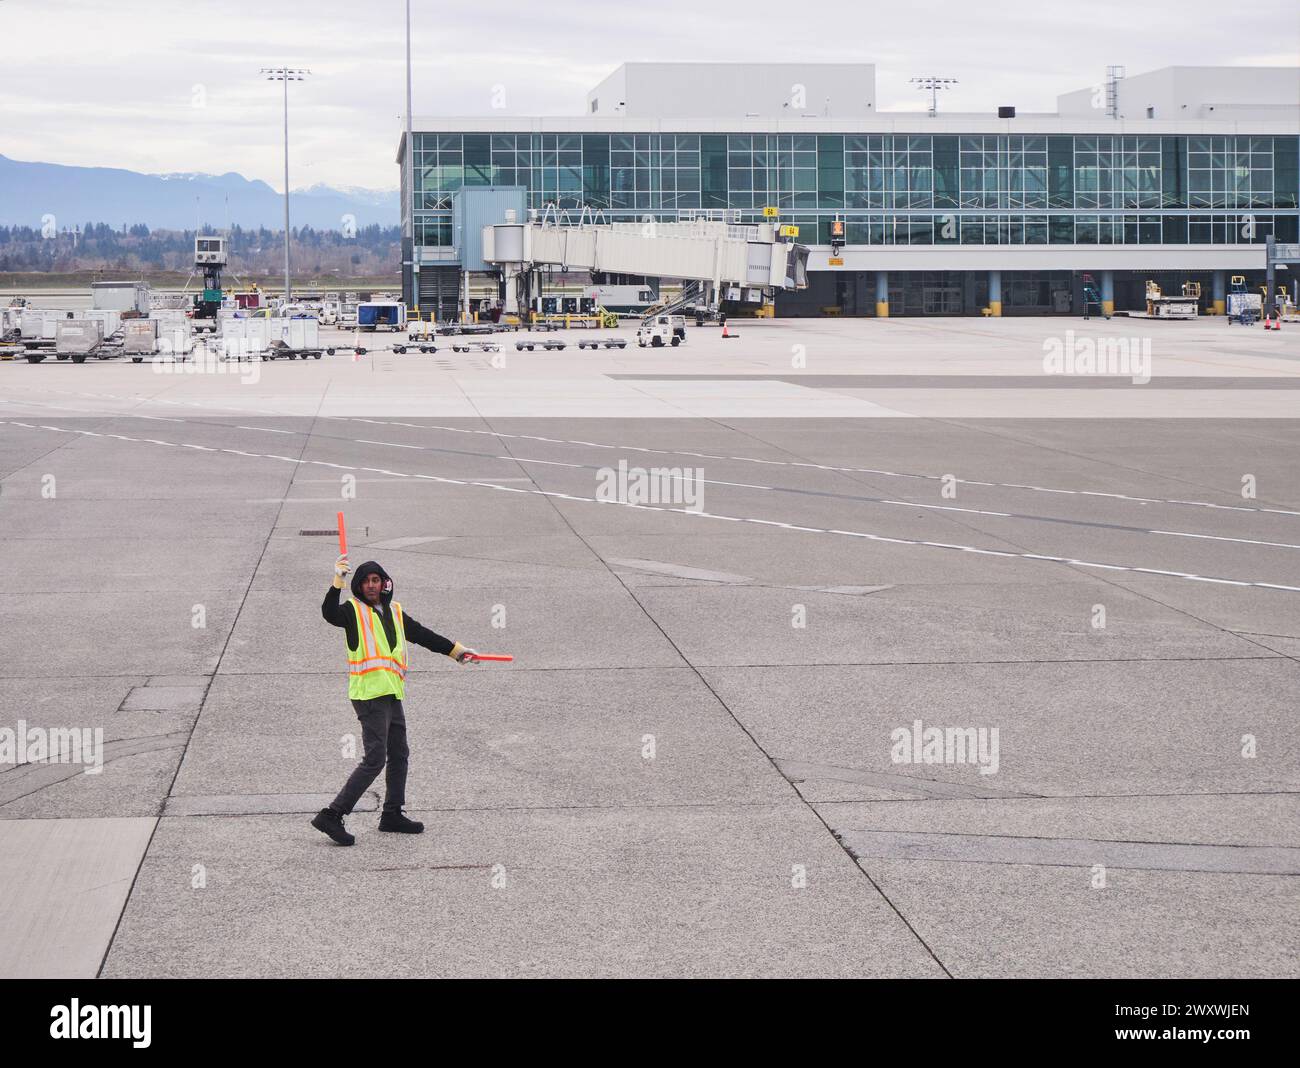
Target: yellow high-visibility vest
{"type": "Point", "coordinates": [375, 670]}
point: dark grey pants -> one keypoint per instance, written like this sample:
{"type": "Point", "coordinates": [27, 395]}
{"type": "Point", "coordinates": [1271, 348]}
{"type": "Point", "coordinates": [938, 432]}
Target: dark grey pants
{"type": "Point", "coordinates": [383, 738]}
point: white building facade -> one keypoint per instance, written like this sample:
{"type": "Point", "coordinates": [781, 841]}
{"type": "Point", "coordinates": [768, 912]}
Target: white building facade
{"type": "Point", "coordinates": [1178, 175]}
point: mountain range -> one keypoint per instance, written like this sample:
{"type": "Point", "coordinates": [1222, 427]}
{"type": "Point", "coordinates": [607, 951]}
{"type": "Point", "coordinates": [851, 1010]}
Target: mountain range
{"type": "Point", "coordinates": [76, 195]}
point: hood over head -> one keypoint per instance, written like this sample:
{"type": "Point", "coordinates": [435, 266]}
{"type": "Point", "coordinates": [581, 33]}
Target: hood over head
{"type": "Point", "coordinates": [368, 568]}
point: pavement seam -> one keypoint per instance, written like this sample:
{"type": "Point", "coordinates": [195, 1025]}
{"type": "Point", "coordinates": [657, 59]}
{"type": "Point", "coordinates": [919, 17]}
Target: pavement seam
{"type": "Point", "coordinates": [723, 665]}
{"type": "Point", "coordinates": [754, 741]}
{"type": "Point", "coordinates": [126, 900]}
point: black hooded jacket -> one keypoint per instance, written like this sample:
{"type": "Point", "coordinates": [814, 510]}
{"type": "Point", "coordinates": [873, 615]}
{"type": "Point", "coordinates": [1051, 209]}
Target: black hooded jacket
{"type": "Point", "coordinates": [341, 615]}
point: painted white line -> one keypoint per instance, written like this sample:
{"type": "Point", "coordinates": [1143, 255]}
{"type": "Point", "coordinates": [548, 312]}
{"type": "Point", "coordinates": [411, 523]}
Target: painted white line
{"type": "Point", "coordinates": [1217, 537]}
{"type": "Point", "coordinates": [697, 455]}
{"type": "Point", "coordinates": [865, 535]}
{"type": "Point", "coordinates": [668, 475]}
{"type": "Point", "coordinates": [822, 467]}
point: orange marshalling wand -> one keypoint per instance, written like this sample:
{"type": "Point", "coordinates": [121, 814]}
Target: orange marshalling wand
{"type": "Point", "coordinates": [343, 536]}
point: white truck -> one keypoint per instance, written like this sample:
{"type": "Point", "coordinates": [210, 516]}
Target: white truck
{"type": "Point", "coordinates": [660, 330]}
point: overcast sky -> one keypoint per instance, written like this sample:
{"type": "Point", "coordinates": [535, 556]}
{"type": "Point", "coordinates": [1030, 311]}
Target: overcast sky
{"type": "Point", "coordinates": [174, 86]}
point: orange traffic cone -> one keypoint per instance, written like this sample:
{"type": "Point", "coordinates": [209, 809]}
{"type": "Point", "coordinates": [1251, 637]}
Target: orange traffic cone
{"type": "Point", "coordinates": [727, 334]}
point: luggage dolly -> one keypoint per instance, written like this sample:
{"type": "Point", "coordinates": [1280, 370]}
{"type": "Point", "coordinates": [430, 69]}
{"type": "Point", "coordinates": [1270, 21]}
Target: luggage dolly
{"type": "Point", "coordinates": [550, 344]}
{"type": "Point", "coordinates": [276, 349]}
{"type": "Point", "coordinates": [475, 346]}
{"type": "Point", "coordinates": [604, 342]}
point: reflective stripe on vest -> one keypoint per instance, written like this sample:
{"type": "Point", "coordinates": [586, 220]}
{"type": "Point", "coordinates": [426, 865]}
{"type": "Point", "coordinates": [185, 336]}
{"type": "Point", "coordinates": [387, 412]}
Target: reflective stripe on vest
{"type": "Point", "coordinates": [371, 655]}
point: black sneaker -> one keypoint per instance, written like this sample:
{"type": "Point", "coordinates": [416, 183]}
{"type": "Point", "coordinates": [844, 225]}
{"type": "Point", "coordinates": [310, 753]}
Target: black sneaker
{"type": "Point", "coordinates": [327, 821]}
{"type": "Point", "coordinates": [395, 821]}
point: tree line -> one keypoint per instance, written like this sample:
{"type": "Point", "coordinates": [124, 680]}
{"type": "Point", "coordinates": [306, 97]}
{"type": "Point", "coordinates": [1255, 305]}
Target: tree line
{"type": "Point", "coordinates": [368, 252]}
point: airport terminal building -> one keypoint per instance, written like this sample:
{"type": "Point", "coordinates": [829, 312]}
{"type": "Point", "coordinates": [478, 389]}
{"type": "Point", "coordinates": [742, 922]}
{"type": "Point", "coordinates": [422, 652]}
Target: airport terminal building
{"type": "Point", "coordinates": [1175, 175]}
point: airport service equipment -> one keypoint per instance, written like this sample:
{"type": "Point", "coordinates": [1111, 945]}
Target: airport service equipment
{"type": "Point", "coordinates": [155, 337]}
{"type": "Point", "coordinates": [299, 334]}
{"type": "Point", "coordinates": [271, 338]}
{"type": "Point", "coordinates": [381, 315]}
{"type": "Point", "coordinates": [210, 258]}
{"type": "Point", "coordinates": [109, 319]}
{"type": "Point", "coordinates": [621, 298]}
{"type": "Point", "coordinates": [38, 326]}
{"type": "Point", "coordinates": [139, 338]}
{"type": "Point", "coordinates": [656, 332]}
{"type": "Point", "coordinates": [1159, 306]}
{"type": "Point", "coordinates": [246, 337]}
{"type": "Point", "coordinates": [1244, 307]}
{"type": "Point", "coordinates": [121, 296]}
{"type": "Point", "coordinates": [76, 339]}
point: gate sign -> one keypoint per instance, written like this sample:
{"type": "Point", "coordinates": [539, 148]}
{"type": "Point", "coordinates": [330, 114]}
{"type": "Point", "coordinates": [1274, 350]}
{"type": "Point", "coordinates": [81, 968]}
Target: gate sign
{"type": "Point", "coordinates": [769, 213]}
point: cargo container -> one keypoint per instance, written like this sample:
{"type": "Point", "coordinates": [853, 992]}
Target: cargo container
{"type": "Point", "coordinates": [11, 322]}
{"type": "Point", "coordinates": [381, 315]}
{"type": "Point", "coordinates": [139, 338]}
{"type": "Point", "coordinates": [121, 296]}
{"type": "Point", "coordinates": [299, 333]}
{"type": "Point", "coordinates": [248, 336]}
{"type": "Point", "coordinates": [109, 320]}
{"type": "Point", "coordinates": [78, 338]}
{"type": "Point", "coordinates": [37, 325]}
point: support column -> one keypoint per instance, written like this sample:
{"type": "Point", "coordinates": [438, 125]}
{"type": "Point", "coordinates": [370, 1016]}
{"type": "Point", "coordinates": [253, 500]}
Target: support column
{"type": "Point", "coordinates": [882, 294]}
{"type": "Point", "coordinates": [995, 293]}
{"type": "Point", "coordinates": [1270, 281]}
{"type": "Point", "coordinates": [1219, 304]}
{"type": "Point", "coordinates": [1107, 293]}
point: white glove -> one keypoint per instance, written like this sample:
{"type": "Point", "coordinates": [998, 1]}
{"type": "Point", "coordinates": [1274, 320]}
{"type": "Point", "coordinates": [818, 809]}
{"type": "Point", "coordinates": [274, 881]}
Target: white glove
{"type": "Point", "coordinates": [341, 568]}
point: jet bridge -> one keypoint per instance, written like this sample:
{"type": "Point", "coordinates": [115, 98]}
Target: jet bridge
{"type": "Point", "coordinates": [708, 251]}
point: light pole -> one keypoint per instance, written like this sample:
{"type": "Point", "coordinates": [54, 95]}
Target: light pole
{"type": "Point", "coordinates": [409, 206]}
{"type": "Point", "coordinates": [934, 85]}
{"type": "Point", "coordinates": [286, 75]}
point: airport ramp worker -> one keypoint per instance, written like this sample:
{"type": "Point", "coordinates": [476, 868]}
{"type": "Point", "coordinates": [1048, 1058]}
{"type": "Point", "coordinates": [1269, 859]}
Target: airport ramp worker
{"type": "Point", "coordinates": [377, 633]}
